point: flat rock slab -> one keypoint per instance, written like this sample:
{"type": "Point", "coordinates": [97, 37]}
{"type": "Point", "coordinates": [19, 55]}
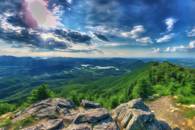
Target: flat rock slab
{"type": "Point", "coordinates": [92, 116]}
{"type": "Point", "coordinates": [56, 124]}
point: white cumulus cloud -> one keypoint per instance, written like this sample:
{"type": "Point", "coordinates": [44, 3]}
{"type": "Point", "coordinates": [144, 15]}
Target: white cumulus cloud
{"type": "Point", "coordinates": [170, 22]}
{"type": "Point", "coordinates": [192, 32]}
{"type": "Point", "coordinates": [165, 38]}
{"type": "Point", "coordinates": [144, 40]}
{"type": "Point", "coordinates": [134, 33]}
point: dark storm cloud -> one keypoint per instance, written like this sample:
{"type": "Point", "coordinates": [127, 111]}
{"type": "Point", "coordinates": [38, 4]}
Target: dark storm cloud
{"type": "Point", "coordinates": [106, 20]}
{"type": "Point", "coordinates": [101, 36]}
{"type": "Point", "coordinates": [126, 13]}
{"type": "Point", "coordinates": [14, 30]}
{"type": "Point", "coordinates": [74, 36]}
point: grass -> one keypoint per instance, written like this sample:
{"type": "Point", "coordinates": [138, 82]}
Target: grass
{"type": "Point", "coordinates": [17, 125]}
{"type": "Point", "coordinates": [5, 123]}
{"type": "Point", "coordinates": [189, 113]}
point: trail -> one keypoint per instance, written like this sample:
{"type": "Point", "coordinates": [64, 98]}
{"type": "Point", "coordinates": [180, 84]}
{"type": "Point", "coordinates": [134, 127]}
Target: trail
{"type": "Point", "coordinates": [166, 109]}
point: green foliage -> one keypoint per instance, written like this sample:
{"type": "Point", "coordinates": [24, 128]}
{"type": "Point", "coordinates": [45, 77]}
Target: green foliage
{"type": "Point", "coordinates": [152, 79]}
{"type": "Point", "coordinates": [141, 89]}
{"type": "Point", "coordinates": [5, 123]}
{"type": "Point", "coordinates": [6, 107]}
{"type": "Point", "coordinates": [17, 125]}
{"type": "Point", "coordinates": [23, 123]}
{"type": "Point", "coordinates": [40, 93]}
{"type": "Point", "coordinates": [190, 113]}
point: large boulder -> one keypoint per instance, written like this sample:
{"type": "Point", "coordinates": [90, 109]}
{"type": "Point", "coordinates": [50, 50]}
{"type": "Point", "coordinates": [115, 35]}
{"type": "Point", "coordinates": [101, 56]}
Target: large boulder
{"type": "Point", "coordinates": [106, 126]}
{"type": "Point", "coordinates": [52, 124]}
{"type": "Point", "coordinates": [89, 104]}
{"type": "Point", "coordinates": [79, 127]}
{"type": "Point", "coordinates": [135, 115]}
{"type": "Point", "coordinates": [48, 112]}
{"type": "Point", "coordinates": [92, 116]}
{"type": "Point", "coordinates": [61, 114]}
{"type": "Point", "coordinates": [63, 103]}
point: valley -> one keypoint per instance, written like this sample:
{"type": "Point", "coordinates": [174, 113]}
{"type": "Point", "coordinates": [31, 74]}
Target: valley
{"type": "Point", "coordinates": [167, 87]}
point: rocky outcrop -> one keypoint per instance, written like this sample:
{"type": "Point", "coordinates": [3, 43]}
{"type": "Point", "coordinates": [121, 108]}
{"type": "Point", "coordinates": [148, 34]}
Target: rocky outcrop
{"type": "Point", "coordinates": [61, 114]}
{"type": "Point", "coordinates": [89, 105]}
{"type": "Point", "coordinates": [135, 115]}
{"type": "Point", "coordinates": [51, 124]}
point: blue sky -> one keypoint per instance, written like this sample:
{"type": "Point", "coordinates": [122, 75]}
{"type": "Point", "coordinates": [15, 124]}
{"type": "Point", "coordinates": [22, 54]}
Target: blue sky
{"type": "Point", "coordinates": [97, 28]}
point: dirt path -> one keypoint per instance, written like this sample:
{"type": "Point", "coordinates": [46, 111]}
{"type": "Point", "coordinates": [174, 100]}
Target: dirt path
{"type": "Point", "coordinates": [166, 109]}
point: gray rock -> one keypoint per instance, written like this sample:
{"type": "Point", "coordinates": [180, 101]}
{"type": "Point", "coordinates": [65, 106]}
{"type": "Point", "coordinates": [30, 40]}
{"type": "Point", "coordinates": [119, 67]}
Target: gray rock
{"type": "Point", "coordinates": [138, 104]}
{"type": "Point", "coordinates": [63, 103]}
{"type": "Point", "coordinates": [106, 126]}
{"type": "Point", "coordinates": [61, 114]}
{"type": "Point", "coordinates": [49, 112]}
{"type": "Point", "coordinates": [92, 116]}
{"type": "Point", "coordinates": [56, 124]}
{"type": "Point", "coordinates": [89, 104]}
{"type": "Point", "coordinates": [79, 127]}
{"type": "Point", "coordinates": [135, 115]}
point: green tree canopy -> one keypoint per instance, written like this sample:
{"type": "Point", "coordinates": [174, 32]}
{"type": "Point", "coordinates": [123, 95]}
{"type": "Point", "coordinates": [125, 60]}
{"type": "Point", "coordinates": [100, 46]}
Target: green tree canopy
{"type": "Point", "coordinates": [40, 93]}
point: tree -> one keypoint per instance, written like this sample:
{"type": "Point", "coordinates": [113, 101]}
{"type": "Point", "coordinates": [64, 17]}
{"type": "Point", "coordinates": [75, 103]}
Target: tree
{"type": "Point", "coordinates": [141, 89]}
{"type": "Point", "coordinates": [193, 86]}
{"type": "Point", "coordinates": [40, 93]}
{"type": "Point", "coordinates": [5, 107]}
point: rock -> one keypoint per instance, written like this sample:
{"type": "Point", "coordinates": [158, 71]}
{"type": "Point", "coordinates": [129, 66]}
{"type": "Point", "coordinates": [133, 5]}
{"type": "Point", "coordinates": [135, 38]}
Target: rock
{"type": "Point", "coordinates": [138, 104]}
{"type": "Point", "coordinates": [106, 126]}
{"type": "Point", "coordinates": [135, 115]}
{"type": "Point", "coordinates": [54, 124]}
{"type": "Point", "coordinates": [63, 103]}
{"type": "Point", "coordinates": [38, 106]}
{"type": "Point", "coordinates": [49, 112]}
{"type": "Point", "coordinates": [92, 116]}
{"type": "Point", "coordinates": [89, 105]}
{"type": "Point", "coordinates": [79, 127]}
{"type": "Point", "coordinates": [61, 114]}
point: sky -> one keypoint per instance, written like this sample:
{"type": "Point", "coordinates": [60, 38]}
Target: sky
{"type": "Point", "coordinates": [97, 28]}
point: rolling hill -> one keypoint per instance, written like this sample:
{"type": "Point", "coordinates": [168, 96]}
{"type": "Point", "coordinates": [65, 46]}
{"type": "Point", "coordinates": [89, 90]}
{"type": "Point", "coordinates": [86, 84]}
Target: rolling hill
{"type": "Point", "coordinates": [150, 81]}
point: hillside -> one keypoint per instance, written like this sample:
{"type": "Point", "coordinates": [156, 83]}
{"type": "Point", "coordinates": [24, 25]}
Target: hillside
{"type": "Point", "coordinates": [18, 76]}
{"type": "Point", "coordinates": [152, 80]}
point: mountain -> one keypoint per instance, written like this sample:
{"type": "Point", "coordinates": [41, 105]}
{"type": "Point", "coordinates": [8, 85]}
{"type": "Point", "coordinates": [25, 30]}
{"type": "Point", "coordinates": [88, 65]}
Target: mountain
{"type": "Point", "coordinates": [150, 81]}
{"type": "Point", "coordinates": [19, 75]}
{"type": "Point", "coordinates": [71, 104]}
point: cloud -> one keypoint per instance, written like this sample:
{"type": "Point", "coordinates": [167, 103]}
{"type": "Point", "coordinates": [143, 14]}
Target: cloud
{"type": "Point", "coordinates": [173, 49]}
{"type": "Point", "coordinates": [192, 45]}
{"type": "Point", "coordinates": [134, 33]}
{"type": "Point", "coordinates": [144, 40]}
{"type": "Point", "coordinates": [101, 37]}
{"type": "Point", "coordinates": [156, 50]}
{"type": "Point", "coordinates": [191, 33]}
{"type": "Point", "coordinates": [8, 27]}
{"type": "Point", "coordinates": [36, 11]}
{"type": "Point", "coordinates": [165, 38]}
{"type": "Point", "coordinates": [170, 22]}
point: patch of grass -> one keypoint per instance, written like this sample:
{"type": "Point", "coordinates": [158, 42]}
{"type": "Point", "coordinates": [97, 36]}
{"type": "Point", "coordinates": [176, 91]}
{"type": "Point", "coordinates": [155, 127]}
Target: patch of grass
{"type": "Point", "coordinates": [18, 125]}
{"type": "Point", "coordinates": [190, 113]}
{"type": "Point", "coordinates": [23, 123]}
{"type": "Point", "coordinates": [5, 123]}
